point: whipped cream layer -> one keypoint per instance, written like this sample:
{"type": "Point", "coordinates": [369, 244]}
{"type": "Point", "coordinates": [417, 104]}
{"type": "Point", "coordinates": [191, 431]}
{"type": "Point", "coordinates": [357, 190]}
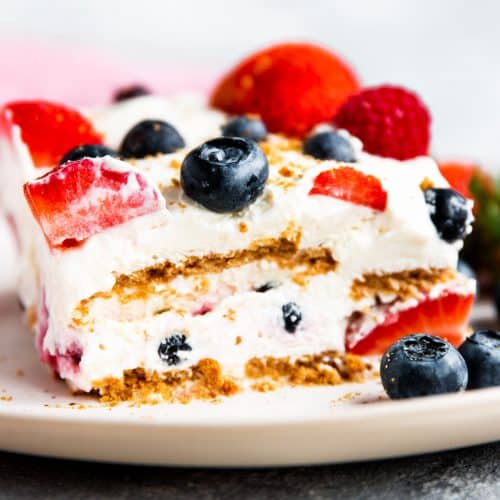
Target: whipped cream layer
{"type": "Point", "coordinates": [360, 239]}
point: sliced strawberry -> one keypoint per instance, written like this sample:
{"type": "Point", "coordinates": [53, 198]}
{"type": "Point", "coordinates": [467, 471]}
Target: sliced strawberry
{"type": "Point", "coordinates": [49, 130]}
{"type": "Point", "coordinates": [349, 184]}
{"type": "Point", "coordinates": [446, 316]}
{"type": "Point", "coordinates": [84, 197]}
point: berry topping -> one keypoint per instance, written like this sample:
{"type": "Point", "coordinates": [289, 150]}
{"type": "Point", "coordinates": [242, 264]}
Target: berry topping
{"type": "Point", "coordinates": [291, 316]}
{"type": "Point", "coordinates": [292, 86]}
{"type": "Point", "coordinates": [225, 174]}
{"type": "Point", "coordinates": [151, 137]}
{"type": "Point", "coordinates": [422, 365]}
{"type": "Point", "coordinates": [130, 91]}
{"type": "Point", "coordinates": [390, 121]}
{"type": "Point", "coordinates": [84, 197]}
{"type": "Point", "coordinates": [244, 126]}
{"type": "Point", "coordinates": [267, 286]}
{"type": "Point", "coordinates": [446, 316]}
{"type": "Point", "coordinates": [481, 352]}
{"type": "Point", "coordinates": [459, 176]}
{"type": "Point", "coordinates": [49, 130]}
{"type": "Point", "coordinates": [170, 346]}
{"type": "Point", "coordinates": [329, 146]}
{"type": "Point", "coordinates": [349, 184]}
{"type": "Point", "coordinates": [87, 151]}
{"type": "Point", "coordinates": [449, 212]}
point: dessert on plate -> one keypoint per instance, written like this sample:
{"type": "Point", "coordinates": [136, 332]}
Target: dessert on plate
{"type": "Point", "coordinates": [176, 248]}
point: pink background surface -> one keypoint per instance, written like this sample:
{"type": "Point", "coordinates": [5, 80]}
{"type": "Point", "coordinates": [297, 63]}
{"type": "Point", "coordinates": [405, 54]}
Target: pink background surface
{"type": "Point", "coordinates": [83, 76]}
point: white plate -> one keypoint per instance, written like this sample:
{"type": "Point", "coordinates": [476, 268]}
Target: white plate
{"type": "Point", "coordinates": [286, 427]}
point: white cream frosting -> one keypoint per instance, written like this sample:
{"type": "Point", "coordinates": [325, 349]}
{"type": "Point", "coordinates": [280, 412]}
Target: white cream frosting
{"type": "Point", "coordinates": [360, 239]}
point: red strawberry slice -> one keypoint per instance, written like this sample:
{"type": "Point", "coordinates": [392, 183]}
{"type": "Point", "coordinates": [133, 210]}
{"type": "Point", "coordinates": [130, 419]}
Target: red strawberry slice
{"type": "Point", "coordinates": [349, 184]}
{"type": "Point", "coordinates": [446, 316]}
{"type": "Point", "coordinates": [49, 130]}
{"type": "Point", "coordinates": [87, 196]}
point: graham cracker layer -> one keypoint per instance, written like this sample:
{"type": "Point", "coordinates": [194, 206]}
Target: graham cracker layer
{"type": "Point", "coordinates": [284, 251]}
{"type": "Point", "coordinates": [207, 381]}
{"type": "Point", "coordinates": [405, 284]}
{"type": "Point", "coordinates": [203, 381]}
{"type": "Point", "coordinates": [325, 368]}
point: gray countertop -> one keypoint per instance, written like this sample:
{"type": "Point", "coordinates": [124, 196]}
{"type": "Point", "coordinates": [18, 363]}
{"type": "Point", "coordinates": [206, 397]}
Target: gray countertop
{"type": "Point", "coordinates": [470, 473]}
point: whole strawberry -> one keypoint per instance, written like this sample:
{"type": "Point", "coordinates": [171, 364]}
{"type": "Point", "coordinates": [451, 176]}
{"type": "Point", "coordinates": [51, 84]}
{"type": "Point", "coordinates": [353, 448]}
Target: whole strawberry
{"type": "Point", "coordinates": [390, 121]}
{"type": "Point", "coordinates": [459, 175]}
{"type": "Point", "coordinates": [292, 86]}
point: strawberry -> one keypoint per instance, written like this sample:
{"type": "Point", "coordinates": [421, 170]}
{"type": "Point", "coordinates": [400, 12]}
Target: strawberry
{"type": "Point", "coordinates": [85, 197]}
{"type": "Point", "coordinates": [349, 184]}
{"type": "Point", "coordinates": [459, 176]}
{"type": "Point", "coordinates": [49, 130]}
{"type": "Point", "coordinates": [446, 316]}
{"type": "Point", "coordinates": [292, 86]}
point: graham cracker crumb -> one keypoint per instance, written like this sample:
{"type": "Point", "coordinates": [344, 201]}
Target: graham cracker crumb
{"type": "Point", "coordinates": [175, 163]}
{"type": "Point", "coordinates": [265, 386]}
{"type": "Point", "coordinates": [285, 172]}
{"type": "Point", "coordinates": [5, 398]}
{"type": "Point", "coordinates": [426, 184]}
{"type": "Point", "coordinates": [243, 228]}
{"type": "Point", "coordinates": [19, 373]}
{"type": "Point", "coordinates": [175, 182]}
{"type": "Point", "coordinates": [31, 317]}
{"type": "Point", "coordinates": [102, 347]}
{"type": "Point", "coordinates": [202, 285]}
{"type": "Point", "coordinates": [230, 314]}
{"type": "Point", "coordinates": [279, 144]}
{"type": "Point", "coordinates": [238, 340]}
{"type": "Point", "coordinates": [405, 284]}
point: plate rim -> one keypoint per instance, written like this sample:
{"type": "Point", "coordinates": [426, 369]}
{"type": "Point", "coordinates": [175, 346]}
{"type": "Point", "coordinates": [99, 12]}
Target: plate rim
{"type": "Point", "coordinates": [480, 397]}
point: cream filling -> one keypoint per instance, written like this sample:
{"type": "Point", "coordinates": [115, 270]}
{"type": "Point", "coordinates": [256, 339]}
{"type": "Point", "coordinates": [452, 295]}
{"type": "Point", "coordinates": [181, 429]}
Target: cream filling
{"type": "Point", "coordinates": [240, 326]}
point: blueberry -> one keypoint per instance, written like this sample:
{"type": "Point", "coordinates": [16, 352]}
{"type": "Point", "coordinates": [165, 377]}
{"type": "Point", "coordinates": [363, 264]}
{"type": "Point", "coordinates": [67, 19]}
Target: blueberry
{"type": "Point", "coordinates": [170, 346]}
{"type": "Point", "coordinates": [151, 137]}
{"type": "Point", "coordinates": [481, 352]}
{"type": "Point", "coordinates": [422, 365]}
{"type": "Point", "coordinates": [449, 212]}
{"type": "Point", "coordinates": [267, 286]}
{"type": "Point", "coordinates": [87, 151]}
{"type": "Point", "coordinates": [130, 91]}
{"type": "Point", "coordinates": [243, 126]}
{"type": "Point", "coordinates": [225, 174]}
{"type": "Point", "coordinates": [329, 146]}
{"type": "Point", "coordinates": [291, 316]}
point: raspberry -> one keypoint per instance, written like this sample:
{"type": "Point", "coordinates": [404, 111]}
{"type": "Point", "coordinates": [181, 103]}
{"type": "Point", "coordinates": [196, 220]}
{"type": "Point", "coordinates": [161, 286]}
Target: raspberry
{"type": "Point", "coordinates": [390, 121]}
{"type": "Point", "coordinates": [292, 86]}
